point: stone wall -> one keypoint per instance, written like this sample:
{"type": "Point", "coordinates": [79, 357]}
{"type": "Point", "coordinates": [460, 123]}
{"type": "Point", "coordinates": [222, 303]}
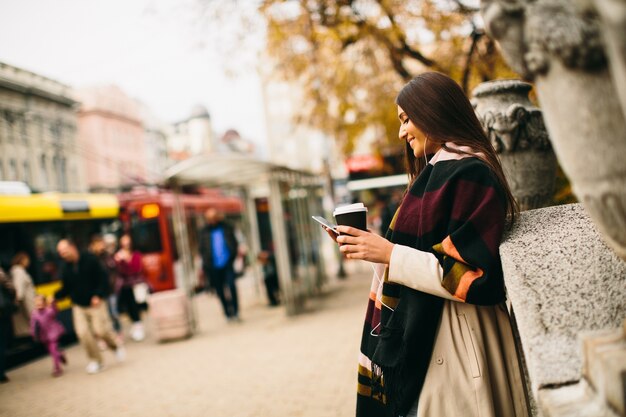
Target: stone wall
{"type": "Point", "coordinates": [562, 279]}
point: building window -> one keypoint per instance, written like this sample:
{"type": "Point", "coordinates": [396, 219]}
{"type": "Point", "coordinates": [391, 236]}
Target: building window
{"type": "Point", "coordinates": [27, 177]}
{"type": "Point", "coordinates": [63, 174]}
{"type": "Point", "coordinates": [56, 169]}
{"type": "Point", "coordinates": [12, 170]}
{"type": "Point", "coordinates": [55, 131]}
{"type": "Point", "coordinates": [24, 129]}
{"type": "Point", "coordinates": [36, 129]}
{"type": "Point", "coordinates": [10, 122]}
{"type": "Point", "coordinates": [44, 172]}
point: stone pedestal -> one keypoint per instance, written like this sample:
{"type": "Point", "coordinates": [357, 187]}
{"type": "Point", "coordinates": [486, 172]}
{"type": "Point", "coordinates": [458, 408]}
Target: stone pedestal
{"type": "Point", "coordinates": [613, 15]}
{"type": "Point", "coordinates": [602, 391]}
{"type": "Point", "coordinates": [559, 45]}
{"type": "Point", "coordinates": [561, 280]}
{"type": "Point", "coordinates": [516, 130]}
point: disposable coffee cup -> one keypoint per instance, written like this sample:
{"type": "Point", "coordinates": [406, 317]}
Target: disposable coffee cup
{"type": "Point", "coordinates": [354, 215]}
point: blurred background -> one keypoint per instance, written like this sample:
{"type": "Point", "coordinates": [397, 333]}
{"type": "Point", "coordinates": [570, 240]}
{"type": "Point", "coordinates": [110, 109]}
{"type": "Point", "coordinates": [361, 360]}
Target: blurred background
{"type": "Point", "coordinates": [103, 103]}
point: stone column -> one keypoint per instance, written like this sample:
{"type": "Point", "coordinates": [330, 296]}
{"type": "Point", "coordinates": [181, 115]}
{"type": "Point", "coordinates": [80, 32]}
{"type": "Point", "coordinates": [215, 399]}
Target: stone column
{"type": "Point", "coordinates": [613, 16]}
{"type": "Point", "coordinates": [558, 44]}
{"type": "Point", "coordinates": [517, 132]}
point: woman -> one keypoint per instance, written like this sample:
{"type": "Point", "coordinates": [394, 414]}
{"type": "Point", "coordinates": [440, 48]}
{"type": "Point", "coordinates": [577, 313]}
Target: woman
{"type": "Point", "coordinates": [437, 339]}
{"type": "Point", "coordinates": [130, 273]}
{"type": "Point", "coordinates": [24, 293]}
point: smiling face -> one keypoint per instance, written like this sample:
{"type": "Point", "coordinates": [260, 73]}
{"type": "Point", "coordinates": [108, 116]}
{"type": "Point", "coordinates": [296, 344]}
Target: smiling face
{"type": "Point", "coordinates": [414, 137]}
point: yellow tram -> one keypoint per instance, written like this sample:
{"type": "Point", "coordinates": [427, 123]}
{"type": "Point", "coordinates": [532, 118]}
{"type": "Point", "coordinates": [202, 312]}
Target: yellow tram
{"type": "Point", "coordinates": [34, 223]}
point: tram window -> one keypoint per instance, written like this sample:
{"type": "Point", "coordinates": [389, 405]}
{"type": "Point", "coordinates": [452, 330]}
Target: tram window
{"type": "Point", "coordinates": [146, 236]}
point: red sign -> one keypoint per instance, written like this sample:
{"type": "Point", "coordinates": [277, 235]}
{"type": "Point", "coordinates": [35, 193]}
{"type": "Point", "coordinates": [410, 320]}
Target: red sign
{"type": "Point", "coordinates": [360, 163]}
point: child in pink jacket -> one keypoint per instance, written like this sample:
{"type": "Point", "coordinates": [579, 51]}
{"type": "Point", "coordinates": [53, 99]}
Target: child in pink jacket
{"type": "Point", "coordinates": [46, 329]}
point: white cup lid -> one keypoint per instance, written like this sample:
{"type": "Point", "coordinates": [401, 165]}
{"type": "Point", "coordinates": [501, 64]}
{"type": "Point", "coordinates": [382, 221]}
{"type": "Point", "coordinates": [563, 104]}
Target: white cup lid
{"type": "Point", "coordinates": [349, 208]}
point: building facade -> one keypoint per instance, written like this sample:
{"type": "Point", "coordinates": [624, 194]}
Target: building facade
{"type": "Point", "coordinates": [289, 143]}
{"type": "Point", "coordinates": [38, 132]}
{"type": "Point", "coordinates": [111, 134]}
{"type": "Point", "coordinates": [155, 145]}
{"type": "Point", "coordinates": [192, 136]}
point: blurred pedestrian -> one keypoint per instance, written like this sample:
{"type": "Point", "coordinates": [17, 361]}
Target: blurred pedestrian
{"type": "Point", "coordinates": [129, 274]}
{"type": "Point", "coordinates": [437, 340]}
{"type": "Point", "coordinates": [24, 292]}
{"type": "Point", "coordinates": [44, 263]}
{"type": "Point", "coordinates": [218, 248]}
{"type": "Point", "coordinates": [99, 248]}
{"type": "Point", "coordinates": [46, 329]}
{"type": "Point", "coordinates": [86, 283]}
{"type": "Point", "coordinates": [388, 211]}
{"type": "Point", "coordinates": [7, 307]}
{"type": "Point", "coordinates": [270, 276]}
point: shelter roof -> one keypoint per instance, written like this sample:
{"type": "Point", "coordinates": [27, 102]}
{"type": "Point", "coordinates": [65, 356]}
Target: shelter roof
{"type": "Point", "coordinates": [235, 170]}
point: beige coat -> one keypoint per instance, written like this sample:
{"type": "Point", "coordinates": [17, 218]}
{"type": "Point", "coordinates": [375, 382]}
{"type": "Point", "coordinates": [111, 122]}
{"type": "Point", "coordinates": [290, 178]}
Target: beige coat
{"type": "Point", "coordinates": [474, 369]}
{"type": "Point", "coordinates": [25, 295]}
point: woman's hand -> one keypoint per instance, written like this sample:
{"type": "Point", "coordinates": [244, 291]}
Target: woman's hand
{"type": "Point", "coordinates": [121, 255]}
{"type": "Point", "coordinates": [363, 245]}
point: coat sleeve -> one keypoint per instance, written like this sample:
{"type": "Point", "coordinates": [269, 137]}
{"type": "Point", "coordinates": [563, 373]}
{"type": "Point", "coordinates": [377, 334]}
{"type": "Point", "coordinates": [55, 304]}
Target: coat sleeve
{"type": "Point", "coordinates": [64, 291]}
{"type": "Point", "coordinates": [18, 275]}
{"type": "Point", "coordinates": [469, 254]}
{"type": "Point", "coordinates": [418, 270]}
{"type": "Point", "coordinates": [134, 267]}
{"type": "Point", "coordinates": [102, 284]}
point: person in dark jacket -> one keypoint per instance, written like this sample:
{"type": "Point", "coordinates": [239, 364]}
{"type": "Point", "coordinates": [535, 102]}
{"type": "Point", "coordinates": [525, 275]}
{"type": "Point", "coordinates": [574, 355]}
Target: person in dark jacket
{"type": "Point", "coordinates": [7, 307]}
{"type": "Point", "coordinates": [86, 283]}
{"type": "Point", "coordinates": [270, 276]}
{"type": "Point", "coordinates": [218, 249]}
{"type": "Point", "coordinates": [98, 247]}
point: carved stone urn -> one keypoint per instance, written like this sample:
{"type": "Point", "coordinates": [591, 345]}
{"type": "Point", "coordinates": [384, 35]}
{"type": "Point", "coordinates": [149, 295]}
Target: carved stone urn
{"type": "Point", "coordinates": [516, 130]}
{"type": "Point", "coordinates": [558, 44]}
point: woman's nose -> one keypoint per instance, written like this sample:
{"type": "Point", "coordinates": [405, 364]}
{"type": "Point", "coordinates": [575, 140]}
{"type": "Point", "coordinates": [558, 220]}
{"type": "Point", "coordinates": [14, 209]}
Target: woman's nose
{"type": "Point", "coordinates": [402, 133]}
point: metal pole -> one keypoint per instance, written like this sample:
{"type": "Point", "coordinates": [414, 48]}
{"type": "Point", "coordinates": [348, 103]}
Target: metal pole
{"type": "Point", "coordinates": [341, 273]}
{"type": "Point", "coordinates": [184, 253]}
{"type": "Point", "coordinates": [279, 236]}
{"type": "Point", "coordinates": [254, 236]}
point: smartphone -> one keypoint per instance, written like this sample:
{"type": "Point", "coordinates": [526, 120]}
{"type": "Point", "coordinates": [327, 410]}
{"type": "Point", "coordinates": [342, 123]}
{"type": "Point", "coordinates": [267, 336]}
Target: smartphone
{"type": "Point", "coordinates": [326, 223]}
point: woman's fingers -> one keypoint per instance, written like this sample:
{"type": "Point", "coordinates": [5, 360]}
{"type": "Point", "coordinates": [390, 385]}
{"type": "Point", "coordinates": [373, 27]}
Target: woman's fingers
{"type": "Point", "coordinates": [346, 239]}
{"type": "Point", "coordinates": [349, 230]}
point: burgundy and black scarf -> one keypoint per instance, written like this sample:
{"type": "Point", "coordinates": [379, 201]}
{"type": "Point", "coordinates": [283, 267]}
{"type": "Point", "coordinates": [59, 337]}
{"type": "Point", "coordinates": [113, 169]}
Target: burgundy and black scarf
{"type": "Point", "coordinates": [455, 209]}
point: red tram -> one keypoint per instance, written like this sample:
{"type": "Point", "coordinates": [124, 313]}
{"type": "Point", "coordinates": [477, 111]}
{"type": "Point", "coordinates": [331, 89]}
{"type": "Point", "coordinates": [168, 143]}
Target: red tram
{"type": "Point", "coordinates": [147, 215]}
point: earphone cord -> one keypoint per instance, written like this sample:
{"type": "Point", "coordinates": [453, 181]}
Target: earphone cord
{"type": "Point", "coordinates": [380, 281]}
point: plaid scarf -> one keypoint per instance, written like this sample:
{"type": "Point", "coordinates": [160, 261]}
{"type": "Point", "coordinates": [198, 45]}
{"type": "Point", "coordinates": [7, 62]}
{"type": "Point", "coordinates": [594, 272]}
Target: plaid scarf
{"type": "Point", "coordinates": [455, 209]}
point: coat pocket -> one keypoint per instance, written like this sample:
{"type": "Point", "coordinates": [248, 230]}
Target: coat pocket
{"type": "Point", "coordinates": [468, 341]}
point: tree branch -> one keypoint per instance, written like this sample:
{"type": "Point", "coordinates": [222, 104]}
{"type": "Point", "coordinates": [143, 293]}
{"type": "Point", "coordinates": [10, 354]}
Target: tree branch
{"type": "Point", "coordinates": [464, 8]}
{"type": "Point", "coordinates": [475, 36]}
{"type": "Point", "coordinates": [404, 47]}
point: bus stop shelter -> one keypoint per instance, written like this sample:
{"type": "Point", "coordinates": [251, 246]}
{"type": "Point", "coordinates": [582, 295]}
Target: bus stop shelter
{"type": "Point", "coordinates": [293, 197]}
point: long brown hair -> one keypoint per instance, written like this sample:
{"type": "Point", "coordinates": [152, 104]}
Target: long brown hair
{"type": "Point", "coordinates": [438, 107]}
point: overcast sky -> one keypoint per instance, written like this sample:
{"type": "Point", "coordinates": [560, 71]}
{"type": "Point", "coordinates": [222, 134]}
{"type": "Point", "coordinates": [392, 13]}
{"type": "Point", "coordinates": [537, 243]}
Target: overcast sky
{"type": "Point", "coordinates": [158, 51]}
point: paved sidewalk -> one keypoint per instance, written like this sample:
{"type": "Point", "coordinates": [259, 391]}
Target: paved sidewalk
{"type": "Point", "coordinates": [267, 366]}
